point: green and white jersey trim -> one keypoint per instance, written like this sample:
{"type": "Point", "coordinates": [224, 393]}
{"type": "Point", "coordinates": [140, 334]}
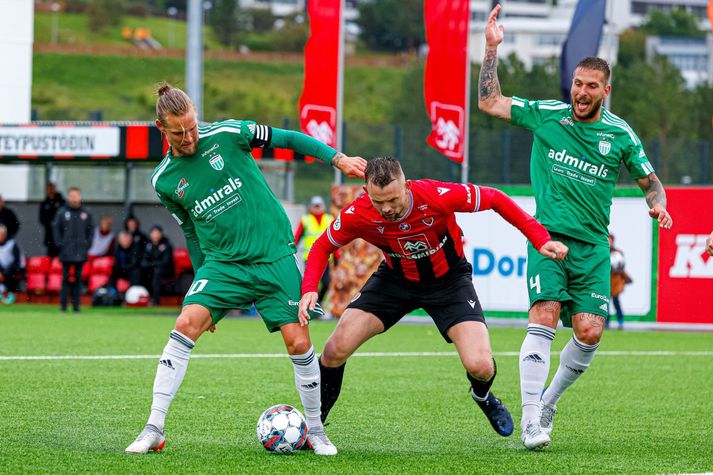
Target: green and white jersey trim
{"type": "Point", "coordinates": [157, 173]}
{"type": "Point", "coordinates": [232, 126]}
{"type": "Point", "coordinates": [610, 119]}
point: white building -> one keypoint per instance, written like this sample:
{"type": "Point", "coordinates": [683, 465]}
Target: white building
{"type": "Point", "coordinates": [536, 29]}
{"type": "Point", "coordinates": [691, 56]}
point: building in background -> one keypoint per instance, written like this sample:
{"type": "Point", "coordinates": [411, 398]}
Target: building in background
{"type": "Point", "coordinates": [691, 56]}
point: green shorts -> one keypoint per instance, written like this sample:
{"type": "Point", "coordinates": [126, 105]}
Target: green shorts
{"type": "Point", "coordinates": [580, 282]}
{"type": "Point", "coordinates": [273, 287]}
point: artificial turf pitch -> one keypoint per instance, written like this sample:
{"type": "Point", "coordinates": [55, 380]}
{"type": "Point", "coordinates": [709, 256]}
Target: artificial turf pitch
{"type": "Point", "coordinates": [644, 406]}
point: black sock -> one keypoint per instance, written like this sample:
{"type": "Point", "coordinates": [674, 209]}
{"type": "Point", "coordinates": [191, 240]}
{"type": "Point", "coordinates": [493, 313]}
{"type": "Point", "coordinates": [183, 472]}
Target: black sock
{"type": "Point", "coordinates": [481, 388]}
{"type": "Point", "coordinates": [331, 386]}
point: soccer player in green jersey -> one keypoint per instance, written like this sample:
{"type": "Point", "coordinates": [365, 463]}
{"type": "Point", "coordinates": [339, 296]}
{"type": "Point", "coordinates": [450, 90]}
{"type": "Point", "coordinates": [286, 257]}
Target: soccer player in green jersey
{"type": "Point", "coordinates": [240, 243]}
{"type": "Point", "coordinates": [576, 155]}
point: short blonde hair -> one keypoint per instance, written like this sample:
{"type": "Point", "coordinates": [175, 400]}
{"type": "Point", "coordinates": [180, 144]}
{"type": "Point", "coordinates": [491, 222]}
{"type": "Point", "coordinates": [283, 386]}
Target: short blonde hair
{"type": "Point", "coordinates": [171, 101]}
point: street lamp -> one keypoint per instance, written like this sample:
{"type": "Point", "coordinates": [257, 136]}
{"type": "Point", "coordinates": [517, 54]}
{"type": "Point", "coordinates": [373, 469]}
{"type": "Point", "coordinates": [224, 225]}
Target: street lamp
{"type": "Point", "coordinates": [55, 8]}
{"type": "Point", "coordinates": [172, 12]}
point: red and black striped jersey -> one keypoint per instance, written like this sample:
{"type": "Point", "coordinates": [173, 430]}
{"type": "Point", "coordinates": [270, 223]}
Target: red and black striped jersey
{"type": "Point", "coordinates": [426, 243]}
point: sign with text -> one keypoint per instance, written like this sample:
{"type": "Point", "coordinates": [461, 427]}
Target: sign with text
{"type": "Point", "coordinates": [59, 141]}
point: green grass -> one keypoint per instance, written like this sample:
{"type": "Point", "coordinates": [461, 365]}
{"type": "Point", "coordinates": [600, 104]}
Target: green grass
{"type": "Point", "coordinates": [628, 414]}
{"type": "Point", "coordinates": [73, 28]}
{"type": "Point", "coordinates": [68, 87]}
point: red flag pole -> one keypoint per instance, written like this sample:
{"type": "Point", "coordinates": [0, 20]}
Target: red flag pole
{"type": "Point", "coordinates": [338, 177]}
{"type": "Point", "coordinates": [465, 168]}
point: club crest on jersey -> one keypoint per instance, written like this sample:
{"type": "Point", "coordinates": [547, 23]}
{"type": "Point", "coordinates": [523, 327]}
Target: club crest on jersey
{"type": "Point", "coordinates": [181, 188]}
{"type": "Point", "coordinates": [604, 147]}
{"type": "Point", "coordinates": [216, 161]}
{"type": "Point", "coordinates": [404, 226]}
{"type": "Point", "coordinates": [428, 221]}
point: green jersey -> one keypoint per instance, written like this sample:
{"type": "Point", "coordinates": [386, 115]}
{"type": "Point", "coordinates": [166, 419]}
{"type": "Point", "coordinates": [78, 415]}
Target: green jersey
{"type": "Point", "coordinates": [574, 166]}
{"type": "Point", "coordinates": [220, 198]}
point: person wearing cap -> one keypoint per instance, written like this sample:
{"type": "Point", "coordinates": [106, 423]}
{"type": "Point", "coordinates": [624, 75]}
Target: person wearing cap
{"type": "Point", "coordinates": [311, 226]}
{"type": "Point", "coordinates": [157, 262]}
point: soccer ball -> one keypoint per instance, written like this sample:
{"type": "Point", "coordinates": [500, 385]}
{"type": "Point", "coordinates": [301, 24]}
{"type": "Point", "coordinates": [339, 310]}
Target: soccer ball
{"type": "Point", "coordinates": [282, 429]}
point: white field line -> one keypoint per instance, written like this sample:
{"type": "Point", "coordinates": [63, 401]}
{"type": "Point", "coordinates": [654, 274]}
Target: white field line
{"type": "Point", "coordinates": [366, 354]}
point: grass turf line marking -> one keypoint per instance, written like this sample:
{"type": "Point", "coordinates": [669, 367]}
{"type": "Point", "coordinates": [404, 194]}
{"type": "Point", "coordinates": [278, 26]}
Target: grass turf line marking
{"type": "Point", "coordinates": [366, 354]}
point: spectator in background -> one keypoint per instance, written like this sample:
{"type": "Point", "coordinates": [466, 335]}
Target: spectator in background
{"type": "Point", "coordinates": [157, 262]}
{"type": "Point", "coordinates": [9, 219]}
{"type": "Point", "coordinates": [709, 245]}
{"type": "Point", "coordinates": [311, 226]}
{"type": "Point", "coordinates": [132, 225]}
{"type": "Point", "coordinates": [73, 229]}
{"type": "Point", "coordinates": [103, 241]}
{"type": "Point", "coordinates": [10, 266]}
{"type": "Point", "coordinates": [48, 209]}
{"type": "Point", "coordinates": [127, 261]}
{"type": "Point", "coordinates": [619, 278]}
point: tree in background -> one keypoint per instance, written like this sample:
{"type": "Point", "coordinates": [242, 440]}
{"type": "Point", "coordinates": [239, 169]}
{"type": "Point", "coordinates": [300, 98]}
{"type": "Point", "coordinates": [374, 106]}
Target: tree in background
{"type": "Point", "coordinates": [392, 25]}
{"type": "Point", "coordinates": [104, 13]}
{"type": "Point", "coordinates": [676, 22]}
{"type": "Point", "coordinates": [225, 19]}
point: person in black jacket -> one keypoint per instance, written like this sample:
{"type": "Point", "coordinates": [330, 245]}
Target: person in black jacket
{"type": "Point", "coordinates": [9, 219]}
{"type": "Point", "coordinates": [127, 261]}
{"type": "Point", "coordinates": [48, 209]}
{"type": "Point", "coordinates": [157, 262]}
{"type": "Point", "coordinates": [73, 228]}
{"type": "Point", "coordinates": [132, 225]}
{"type": "Point", "coordinates": [10, 266]}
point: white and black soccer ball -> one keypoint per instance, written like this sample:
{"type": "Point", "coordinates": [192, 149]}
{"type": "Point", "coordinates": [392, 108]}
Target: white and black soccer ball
{"type": "Point", "coordinates": [282, 429]}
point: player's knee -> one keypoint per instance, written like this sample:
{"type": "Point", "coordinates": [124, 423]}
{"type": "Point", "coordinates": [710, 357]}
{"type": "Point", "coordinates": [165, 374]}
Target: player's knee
{"type": "Point", "coordinates": [545, 313]}
{"type": "Point", "coordinates": [333, 355]}
{"type": "Point", "coordinates": [480, 366]}
{"type": "Point", "coordinates": [188, 326]}
{"type": "Point", "coordinates": [299, 346]}
{"type": "Point", "coordinates": [589, 335]}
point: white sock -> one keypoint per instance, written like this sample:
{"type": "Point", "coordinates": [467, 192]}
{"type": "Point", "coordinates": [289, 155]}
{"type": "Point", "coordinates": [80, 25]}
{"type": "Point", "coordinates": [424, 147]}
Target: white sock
{"type": "Point", "coordinates": [169, 375]}
{"type": "Point", "coordinates": [574, 359]}
{"type": "Point", "coordinates": [307, 380]}
{"type": "Point", "coordinates": [534, 369]}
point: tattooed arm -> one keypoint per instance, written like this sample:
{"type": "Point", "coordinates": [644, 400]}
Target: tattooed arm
{"type": "Point", "coordinates": [490, 99]}
{"type": "Point", "coordinates": [656, 199]}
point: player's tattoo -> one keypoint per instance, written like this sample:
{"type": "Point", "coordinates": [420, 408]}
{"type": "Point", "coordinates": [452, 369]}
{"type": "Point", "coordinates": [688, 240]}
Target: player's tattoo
{"type": "Point", "coordinates": [548, 306]}
{"type": "Point", "coordinates": [488, 83]}
{"type": "Point", "coordinates": [655, 194]}
{"type": "Point", "coordinates": [594, 321]}
{"type": "Point", "coordinates": [337, 158]}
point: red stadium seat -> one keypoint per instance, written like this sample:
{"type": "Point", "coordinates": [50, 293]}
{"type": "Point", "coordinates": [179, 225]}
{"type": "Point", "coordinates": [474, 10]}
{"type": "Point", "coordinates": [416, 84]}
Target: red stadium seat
{"type": "Point", "coordinates": [36, 282]}
{"type": "Point", "coordinates": [181, 261]}
{"type": "Point", "coordinates": [102, 266]}
{"type": "Point", "coordinates": [38, 264]}
{"type": "Point", "coordinates": [54, 282]}
{"type": "Point", "coordinates": [56, 266]}
{"type": "Point", "coordinates": [96, 281]}
{"type": "Point", "coordinates": [122, 285]}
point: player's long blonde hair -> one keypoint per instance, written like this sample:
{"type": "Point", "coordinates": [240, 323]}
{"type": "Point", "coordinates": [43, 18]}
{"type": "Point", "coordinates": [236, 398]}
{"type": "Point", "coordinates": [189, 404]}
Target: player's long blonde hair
{"type": "Point", "coordinates": [171, 101]}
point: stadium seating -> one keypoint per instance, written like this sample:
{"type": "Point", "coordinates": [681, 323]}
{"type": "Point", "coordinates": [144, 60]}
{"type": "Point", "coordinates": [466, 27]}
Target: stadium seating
{"type": "Point", "coordinates": [181, 261]}
{"type": "Point", "coordinates": [102, 266]}
{"type": "Point", "coordinates": [97, 280]}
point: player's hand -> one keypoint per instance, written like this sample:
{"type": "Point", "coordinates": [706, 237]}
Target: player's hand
{"type": "Point", "coordinates": [307, 302]}
{"type": "Point", "coordinates": [212, 329]}
{"type": "Point", "coordinates": [709, 245]}
{"type": "Point", "coordinates": [659, 213]}
{"type": "Point", "coordinates": [353, 167]}
{"type": "Point", "coordinates": [494, 33]}
{"type": "Point", "coordinates": [554, 250]}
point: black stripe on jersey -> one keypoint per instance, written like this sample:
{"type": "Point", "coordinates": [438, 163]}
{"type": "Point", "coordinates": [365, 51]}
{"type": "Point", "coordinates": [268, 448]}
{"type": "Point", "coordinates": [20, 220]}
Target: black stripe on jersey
{"type": "Point", "coordinates": [449, 249]}
{"type": "Point", "coordinates": [425, 269]}
{"type": "Point", "coordinates": [396, 265]}
{"type": "Point", "coordinates": [262, 136]}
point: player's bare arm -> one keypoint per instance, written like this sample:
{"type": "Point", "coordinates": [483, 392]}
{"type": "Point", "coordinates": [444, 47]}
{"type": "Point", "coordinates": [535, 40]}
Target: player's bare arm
{"type": "Point", "coordinates": [353, 167]}
{"type": "Point", "coordinates": [656, 199]}
{"type": "Point", "coordinates": [490, 98]}
{"type": "Point", "coordinates": [709, 245]}
{"type": "Point", "coordinates": [307, 302]}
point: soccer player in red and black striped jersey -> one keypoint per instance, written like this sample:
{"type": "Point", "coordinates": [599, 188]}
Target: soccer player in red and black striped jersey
{"type": "Point", "coordinates": [413, 222]}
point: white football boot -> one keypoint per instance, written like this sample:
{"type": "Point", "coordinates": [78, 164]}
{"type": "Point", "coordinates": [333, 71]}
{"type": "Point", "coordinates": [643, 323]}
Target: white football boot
{"type": "Point", "coordinates": [547, 417]}
{"type": "Point", "coordinates": [320, 443]}
{"type": "Point", "coordinates": [533, 437]}
{"type": "Point", "coordinates": [149, 439]}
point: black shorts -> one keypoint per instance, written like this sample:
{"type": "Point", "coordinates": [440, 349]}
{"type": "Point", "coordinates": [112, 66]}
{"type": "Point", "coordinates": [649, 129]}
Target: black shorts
{"type": "Point", "coordinates": [449, 300]}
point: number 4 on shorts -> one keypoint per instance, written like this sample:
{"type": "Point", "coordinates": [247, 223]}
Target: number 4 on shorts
{"type": "Point", "coordinates": [198, 286]}
{"type": "Point", "coordinates": [535, 283]}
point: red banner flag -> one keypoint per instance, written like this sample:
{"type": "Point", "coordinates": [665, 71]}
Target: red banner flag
{"type": "Point", "coordinates": [710, 13]}
{"type": "Point", "coordinates": [318, 103]}
{"type": "Point", "coordinates": [445, 83]}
